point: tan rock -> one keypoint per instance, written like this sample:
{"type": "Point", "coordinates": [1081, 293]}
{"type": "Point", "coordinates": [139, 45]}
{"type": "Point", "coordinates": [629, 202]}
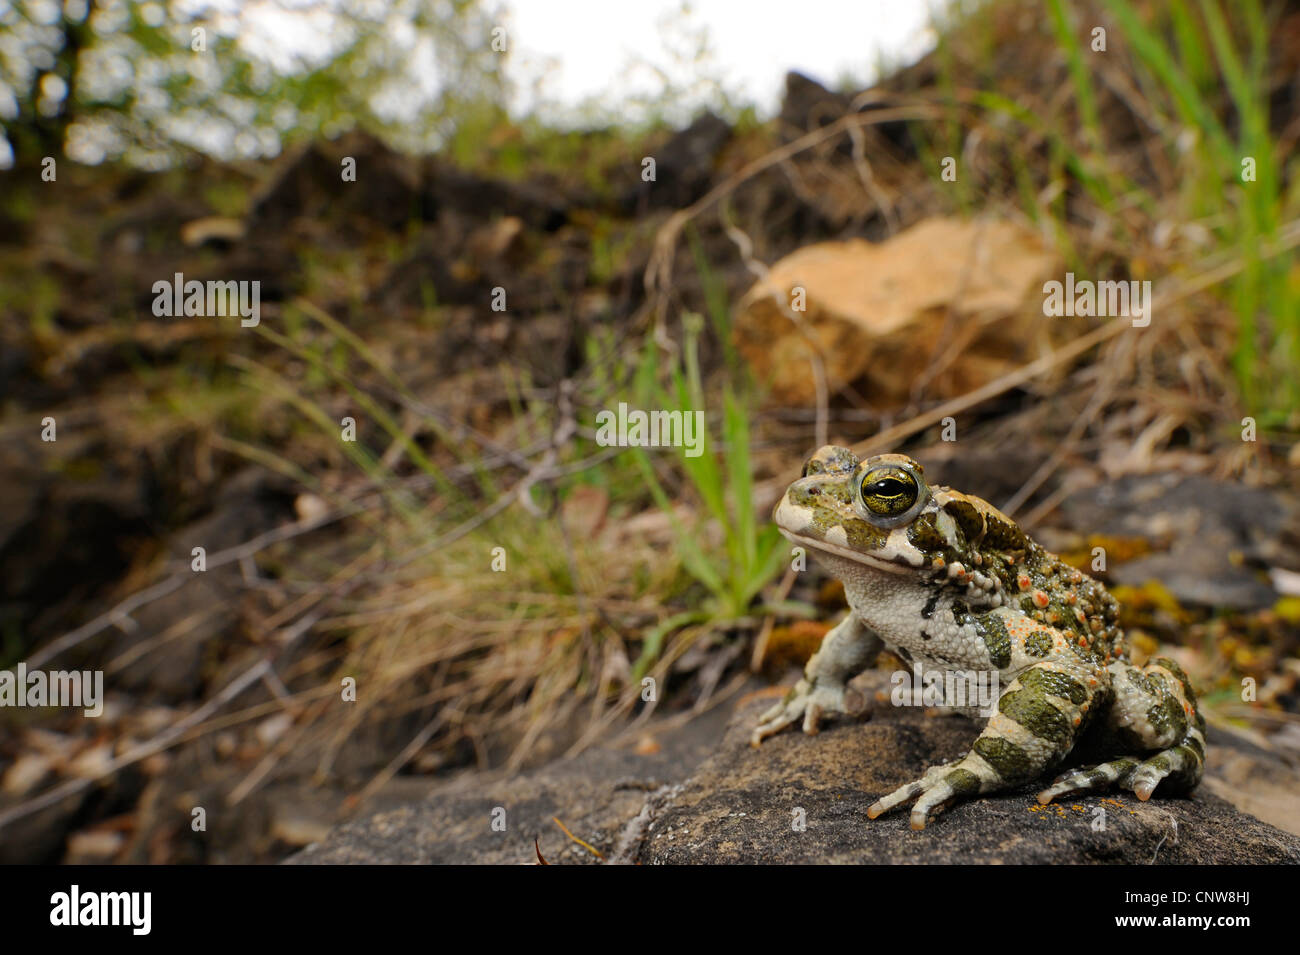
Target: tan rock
{"type": "Point", "coordinates": [296, 827]}
{"type": "Point", "coordinates": [25, 774]}
{"type": "Point", "coordinates": [196, 232]}
{"type": "Point", "coordinates": [945, 306]}
{"type": "Point", "coordinates": [92, 846]}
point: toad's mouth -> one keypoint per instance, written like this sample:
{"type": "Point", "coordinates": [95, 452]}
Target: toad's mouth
{"type": "Point", "coordinates": [844, 553]}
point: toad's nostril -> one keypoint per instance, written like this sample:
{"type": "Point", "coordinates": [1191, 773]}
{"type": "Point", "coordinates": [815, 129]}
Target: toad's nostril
{"type": "Point", "coordinates": [813, 491]}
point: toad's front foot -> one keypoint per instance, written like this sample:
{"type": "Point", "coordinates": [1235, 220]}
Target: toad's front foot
{"type": "Point", "coordinates": [809, 702]}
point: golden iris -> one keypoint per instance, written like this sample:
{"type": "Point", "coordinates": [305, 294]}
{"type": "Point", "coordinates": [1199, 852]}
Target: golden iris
{"type": "Point", "coordinates": [889, 492]}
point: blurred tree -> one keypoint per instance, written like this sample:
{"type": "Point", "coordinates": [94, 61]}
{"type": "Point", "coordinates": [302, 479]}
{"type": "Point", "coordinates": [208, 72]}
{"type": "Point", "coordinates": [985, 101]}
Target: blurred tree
{"type": "Point", "coordinates": [101, 79]}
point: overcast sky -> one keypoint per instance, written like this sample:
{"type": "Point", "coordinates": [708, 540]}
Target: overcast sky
{"type": "Point", "coordinates": [605, 50]}
{"type": "Point", "coordinates": [754, 42]}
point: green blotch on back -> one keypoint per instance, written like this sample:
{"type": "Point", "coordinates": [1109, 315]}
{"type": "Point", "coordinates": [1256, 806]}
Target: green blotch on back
{"type": "Point", "coordinates": [925, 536]}
{"type": "Point", "coordinates": [1038, 643]}
{"type": "Point", "coordinates": [996, 639]}
{"type": "Point", "coordinates": [1088, 651]}
{"type": "Point", "coordinates": [1003, 534]}
{"type": "Point", "coordinates": [968, 518]}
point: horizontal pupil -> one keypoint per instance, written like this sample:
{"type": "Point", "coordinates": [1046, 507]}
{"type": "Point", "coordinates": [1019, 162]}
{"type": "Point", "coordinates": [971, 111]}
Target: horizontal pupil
{"type": "Point", "coordinates": [888, 488]}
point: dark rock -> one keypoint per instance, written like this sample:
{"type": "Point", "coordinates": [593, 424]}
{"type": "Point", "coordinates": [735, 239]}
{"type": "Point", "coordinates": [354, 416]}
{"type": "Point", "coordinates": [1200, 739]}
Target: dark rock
{"type": "Point", "coordinates": [808, 105]}
{"type": "Point", "coordinates": [594, 796]}
{"type": "Point", "coordinates": [303, 184]}
{"type": "Point", "coordinates": [1259, 775]}
{"type": "Point", "coordinates": [684, 166]}
{"type": "Point", "coordinates": [605, 797]}
{"type": "Point", "coordinates": [739, 805]}
{"type": "Point", "coordinates": [1213, 539]}
{"type": "Point", "coordinates": [995, 470]}
{"type": "Point", "coordinates": [309, 184]}
{"type": "Point", "coordinates": [449, 189]}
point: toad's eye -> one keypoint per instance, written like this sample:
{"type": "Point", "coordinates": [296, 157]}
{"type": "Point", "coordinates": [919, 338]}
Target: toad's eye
{"type": "Point", "coordinates": [891, 495]}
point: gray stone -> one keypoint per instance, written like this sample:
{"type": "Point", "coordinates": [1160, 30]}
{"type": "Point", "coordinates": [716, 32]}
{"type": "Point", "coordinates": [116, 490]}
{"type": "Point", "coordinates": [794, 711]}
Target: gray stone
{"type": "Point", "coordinates": [738, 806]}
{"type": "Point", "coordinates": [1213, 539]}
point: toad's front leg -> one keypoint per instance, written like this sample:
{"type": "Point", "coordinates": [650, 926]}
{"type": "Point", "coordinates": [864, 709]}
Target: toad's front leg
{"type": "Point", "coordinates": [846, 651]}
{"type": "Point", "coordinates": [1039, 716]}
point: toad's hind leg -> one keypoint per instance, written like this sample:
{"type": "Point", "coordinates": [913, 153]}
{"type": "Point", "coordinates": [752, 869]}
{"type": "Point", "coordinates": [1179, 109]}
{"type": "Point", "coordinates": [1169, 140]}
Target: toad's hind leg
{"type": "Point", "coordinates": [1099, 777]}
{"type": "Point", "coordinates": [1154, 709]}
{"type": "Point", "coordinates": [1034, 727]}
